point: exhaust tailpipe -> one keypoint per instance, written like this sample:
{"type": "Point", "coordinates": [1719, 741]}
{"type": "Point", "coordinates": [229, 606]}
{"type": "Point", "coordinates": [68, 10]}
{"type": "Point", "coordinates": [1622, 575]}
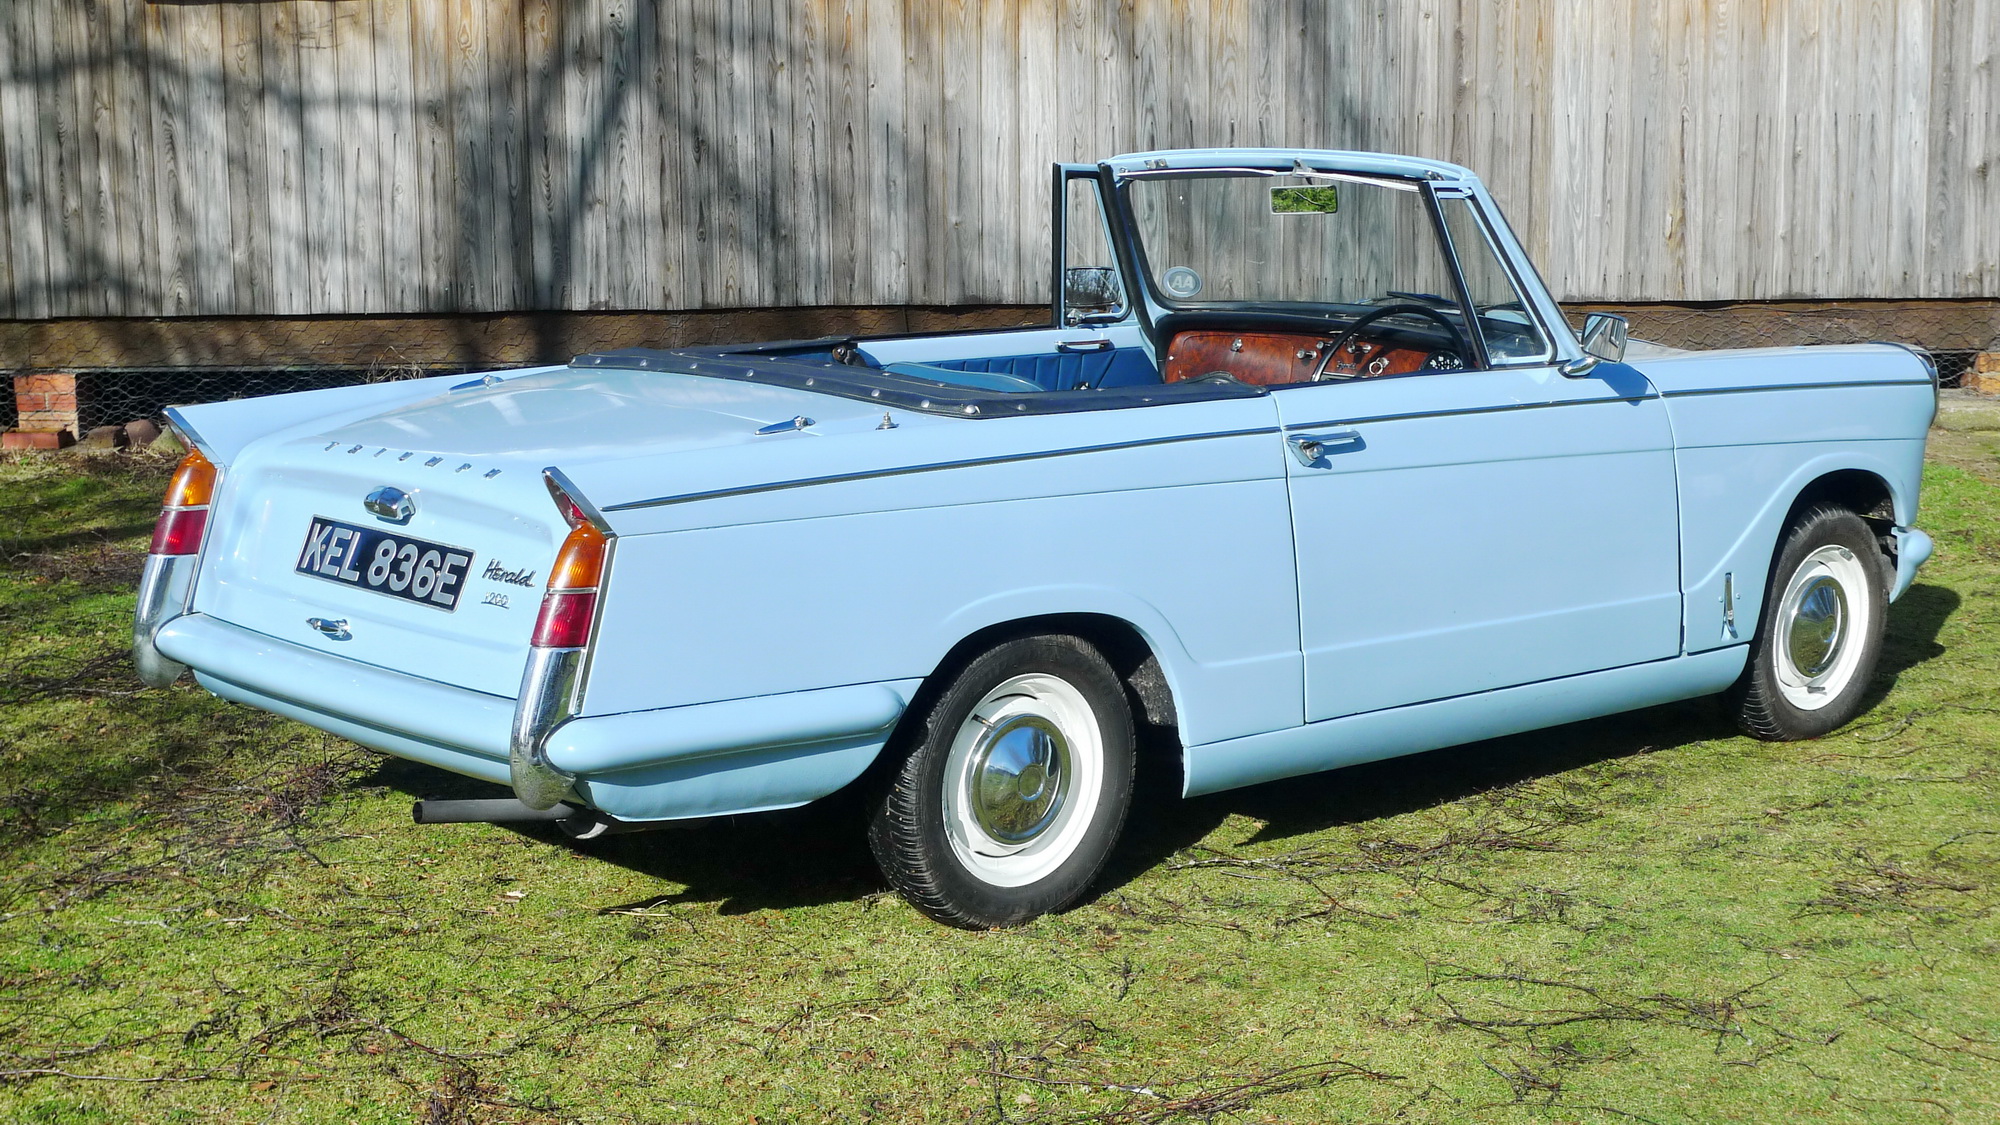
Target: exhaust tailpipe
{"type": "Point", "coordinates": [505, 810]}
{"type": "Point", "coordinates": [576, 823]}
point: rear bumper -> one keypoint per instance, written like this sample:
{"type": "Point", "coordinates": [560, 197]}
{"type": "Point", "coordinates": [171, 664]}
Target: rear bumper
{"type": "Point", "coordinates": [703, 760]}
{"type": "Point", "coordinates": [461, 730]}
{"type": "Point", "coordinates": [163, 591]}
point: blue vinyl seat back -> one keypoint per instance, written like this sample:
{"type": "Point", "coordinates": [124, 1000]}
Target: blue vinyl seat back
{"type": "Point", "coordinates": [959, 376]}
{"type": "Point", "coordinates": [1062, 371]}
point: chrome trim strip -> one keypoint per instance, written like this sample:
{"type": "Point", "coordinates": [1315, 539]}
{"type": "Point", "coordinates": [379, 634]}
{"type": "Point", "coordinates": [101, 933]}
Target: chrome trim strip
{"type": "Point", "coordinates": [1797, 387]}
{"type": "Point", "coordinates": [1608, 399]}
{"type": "Point", "coordinates": [561, 487]}
{"type": "Point", "coordinates": [188, 435]}
{"type": "Point", "coordinates": [1930, 368]}
{"type": "Point", "coordinates": [1508, 408]}
{"type": "Point", "coordinates": [930, 467]}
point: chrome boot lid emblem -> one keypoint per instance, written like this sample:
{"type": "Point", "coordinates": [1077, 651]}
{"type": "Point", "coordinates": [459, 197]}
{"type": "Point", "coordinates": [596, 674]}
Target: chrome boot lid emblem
{"type": "Point", "coordinates": [391, 504]}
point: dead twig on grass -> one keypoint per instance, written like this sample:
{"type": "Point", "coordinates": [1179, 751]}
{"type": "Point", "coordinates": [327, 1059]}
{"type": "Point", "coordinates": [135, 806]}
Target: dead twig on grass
{"type": "Point", "coordinates": [1886, 885]}
{"type": "Point", "coordinates": [1212, 1096]}
{"type": "Point", "coordinates": [51, 1072]}
{"type": "Point", "coordinates": [1720, 1017]}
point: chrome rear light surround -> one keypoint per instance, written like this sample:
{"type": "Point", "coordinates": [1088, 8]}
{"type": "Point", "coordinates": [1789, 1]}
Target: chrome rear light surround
{"type": "Point", "coordinates": [167, 582]}
{"type": "Point", "coordinates": [553, 679]}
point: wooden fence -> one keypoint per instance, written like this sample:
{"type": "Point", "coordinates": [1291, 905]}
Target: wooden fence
{"type": "Point", "coordinates": [310, 157]}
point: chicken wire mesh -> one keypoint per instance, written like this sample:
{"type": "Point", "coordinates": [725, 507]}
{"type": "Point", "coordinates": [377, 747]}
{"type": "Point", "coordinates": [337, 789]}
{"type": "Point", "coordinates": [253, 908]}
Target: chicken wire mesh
{"type": "Point", "coordinates": [115, 397]}
{"type": "Point", "coordinates": [1941, 331]}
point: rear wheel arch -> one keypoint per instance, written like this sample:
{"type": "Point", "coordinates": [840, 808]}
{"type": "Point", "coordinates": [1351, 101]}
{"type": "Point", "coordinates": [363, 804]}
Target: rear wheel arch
{"type": "Point", "coordinates": [1154, 710]}
{"type": "Point", "coordinates": [1121, 642]}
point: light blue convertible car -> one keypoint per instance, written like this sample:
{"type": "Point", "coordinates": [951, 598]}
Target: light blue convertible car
{"type": "Point", "coordinates": [1306, 470]}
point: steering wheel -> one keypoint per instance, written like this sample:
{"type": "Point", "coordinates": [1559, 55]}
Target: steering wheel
{"type": "Point", "coordinates": [1459, 347]}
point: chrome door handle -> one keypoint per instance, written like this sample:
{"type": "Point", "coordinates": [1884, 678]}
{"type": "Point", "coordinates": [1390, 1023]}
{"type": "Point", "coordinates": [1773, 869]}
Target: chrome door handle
{"type": "Point", "coordinates": [1083, 345]}
{"type": "Point", "coordinates": [1311, 448]}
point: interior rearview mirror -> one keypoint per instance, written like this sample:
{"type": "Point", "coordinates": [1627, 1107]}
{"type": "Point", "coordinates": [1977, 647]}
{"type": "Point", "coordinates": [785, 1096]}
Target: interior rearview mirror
{"type": "Point", "coordinates": [1092, 292]}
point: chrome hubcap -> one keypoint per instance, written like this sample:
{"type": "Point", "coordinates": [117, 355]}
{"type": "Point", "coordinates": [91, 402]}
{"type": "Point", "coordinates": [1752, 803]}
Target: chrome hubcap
{"type": "Point", "coordinates": [1824, 608]}
{"type": "Point", "coordinates": [1022, 779]}
{"type": "Point", "coordinates": [1019, 777]}
{"type": "Point", "coordinates": [1814, 634]}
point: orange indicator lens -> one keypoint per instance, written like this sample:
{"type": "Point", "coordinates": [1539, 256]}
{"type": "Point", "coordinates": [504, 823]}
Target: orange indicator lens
{"type": "Point", "coordinates": [580, 563]}
{"type": "Point", "coordinates": [194, 482]}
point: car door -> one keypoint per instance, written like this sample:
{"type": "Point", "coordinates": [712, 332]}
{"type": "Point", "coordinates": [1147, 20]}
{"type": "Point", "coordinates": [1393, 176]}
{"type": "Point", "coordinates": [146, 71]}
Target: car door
{"type": "Point", "coordinates": [1467, 530]}
{"type": "Point", "coordinates": [1460, 532]}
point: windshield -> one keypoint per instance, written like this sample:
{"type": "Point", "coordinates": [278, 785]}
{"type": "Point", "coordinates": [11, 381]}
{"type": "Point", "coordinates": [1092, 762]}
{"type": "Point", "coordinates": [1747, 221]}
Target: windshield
{"type": "Point", "coordinates": [1321, 240]}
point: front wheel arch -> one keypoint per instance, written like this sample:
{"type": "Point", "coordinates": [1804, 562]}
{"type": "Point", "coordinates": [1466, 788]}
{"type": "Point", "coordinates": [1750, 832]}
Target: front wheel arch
{"type": "Point", "coordinates": [1866, 494]}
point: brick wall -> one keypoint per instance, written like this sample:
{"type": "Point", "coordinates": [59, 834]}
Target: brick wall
{"type": "Point", "coordinates": [46, 403]}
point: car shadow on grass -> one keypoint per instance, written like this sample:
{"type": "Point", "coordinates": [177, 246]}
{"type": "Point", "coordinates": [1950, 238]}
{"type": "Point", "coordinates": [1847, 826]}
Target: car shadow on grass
{"type": "Point", "coordinates": [818, 854]}
{"type": "Point", "coordinates": [1163, 825]}
{"type": "Point", "coordinates": [807, 856]}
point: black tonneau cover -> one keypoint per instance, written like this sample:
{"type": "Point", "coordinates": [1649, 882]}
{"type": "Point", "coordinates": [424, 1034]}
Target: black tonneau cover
{"type": "Point", "coordinates": [768, 363]}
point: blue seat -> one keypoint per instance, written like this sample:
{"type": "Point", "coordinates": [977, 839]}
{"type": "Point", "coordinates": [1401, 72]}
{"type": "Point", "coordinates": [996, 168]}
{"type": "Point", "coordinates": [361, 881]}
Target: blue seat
{"type": "Point", "coordinates": [958, 376]}
{"type": "Point", "coordinates": [1062, 371]}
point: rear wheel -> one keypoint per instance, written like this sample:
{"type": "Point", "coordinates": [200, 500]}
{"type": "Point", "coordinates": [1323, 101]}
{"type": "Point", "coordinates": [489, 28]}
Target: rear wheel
{"type": "Point", "coordinates": [1014, 788]}
{"type": "Point", "coordinates": [1820, 634]}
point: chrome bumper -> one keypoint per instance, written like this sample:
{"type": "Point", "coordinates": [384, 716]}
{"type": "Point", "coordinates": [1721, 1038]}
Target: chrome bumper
{"type": "Point", "coordinates": [163, 594]}
{"type": "Point", "coordinates": [321, 686]}
{"type": "Point", "coordinates": [550, 690]}
{"type": "Point", "coordinates": [1913, 549]}
{"type": "Point", "coordinates": [700, 759]}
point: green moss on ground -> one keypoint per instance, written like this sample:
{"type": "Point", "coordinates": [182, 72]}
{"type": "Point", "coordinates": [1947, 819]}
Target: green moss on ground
{"type": "Point", "coordinates": [213, 914]}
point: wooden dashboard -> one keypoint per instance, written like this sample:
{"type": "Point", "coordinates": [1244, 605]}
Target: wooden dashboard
{"type": "Point", "coordinates": [1271, 358]}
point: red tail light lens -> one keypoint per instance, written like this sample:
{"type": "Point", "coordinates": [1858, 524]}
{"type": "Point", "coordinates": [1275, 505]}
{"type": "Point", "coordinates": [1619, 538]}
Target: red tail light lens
{"type": "Point", "coordinates": [184, 515]}
{"type": "Point", "coordinates": [571, 602]}
{"type": "Point", "coordinates": [565, 619]}
{"type": "Point", "coordinates": [179, 531]}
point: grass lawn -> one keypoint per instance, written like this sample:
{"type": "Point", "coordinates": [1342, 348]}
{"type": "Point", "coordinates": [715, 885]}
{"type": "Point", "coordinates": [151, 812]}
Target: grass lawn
{"type": "Point", "coordinates": [208, 913]}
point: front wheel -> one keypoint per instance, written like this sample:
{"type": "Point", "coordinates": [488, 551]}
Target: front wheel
{"type": "Point", "coordinates": [1014, 789]}
{"type": "Point", "coordinates": [1820, 634]}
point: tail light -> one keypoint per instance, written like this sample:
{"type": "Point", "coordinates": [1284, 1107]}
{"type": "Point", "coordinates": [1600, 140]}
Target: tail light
{"type": "Point", "coordinates": [184, 515]}
{"type": "Point", "coordinates": [570, 604]}
{"type": "Point", "coordinates": [552, 679]}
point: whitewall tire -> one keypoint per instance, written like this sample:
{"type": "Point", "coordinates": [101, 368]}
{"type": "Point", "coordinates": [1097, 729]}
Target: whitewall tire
{"type": "Point", "coordinates": [1820, 634]}
{"type": "Point", "coordinates": [1013, 786]}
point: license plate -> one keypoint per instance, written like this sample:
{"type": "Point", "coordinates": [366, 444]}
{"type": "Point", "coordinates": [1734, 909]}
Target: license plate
{"type": "Point", "coordinates": [415, 570]}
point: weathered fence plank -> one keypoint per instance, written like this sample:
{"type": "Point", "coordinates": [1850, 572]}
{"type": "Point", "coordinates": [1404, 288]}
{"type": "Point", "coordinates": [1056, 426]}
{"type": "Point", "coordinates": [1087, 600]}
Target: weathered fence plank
{"type": "Point", "coordinates": [303, 157]}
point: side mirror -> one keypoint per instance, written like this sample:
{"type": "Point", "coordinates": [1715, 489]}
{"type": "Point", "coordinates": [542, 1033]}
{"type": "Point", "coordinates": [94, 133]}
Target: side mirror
{"type": "Point", "coordinates": [1092, 295]}
{"type": "Point", "coordinates": [1604, 338]}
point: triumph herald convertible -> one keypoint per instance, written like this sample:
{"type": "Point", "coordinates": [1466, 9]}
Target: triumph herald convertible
{"type": "Point", "coordinates": [1306, 469]}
